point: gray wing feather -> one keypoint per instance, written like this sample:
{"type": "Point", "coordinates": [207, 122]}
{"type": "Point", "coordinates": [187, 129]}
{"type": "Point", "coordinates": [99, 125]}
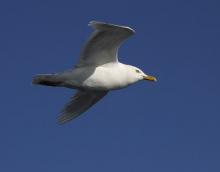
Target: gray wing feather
{"type": "Point", "coordinates": [79, 103]}
{"type": "Point", "coordinates": [103, 44]}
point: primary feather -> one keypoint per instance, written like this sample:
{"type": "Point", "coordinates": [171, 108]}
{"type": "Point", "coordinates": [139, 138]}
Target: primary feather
{"type": "Point", "coordinates": [79, 103]}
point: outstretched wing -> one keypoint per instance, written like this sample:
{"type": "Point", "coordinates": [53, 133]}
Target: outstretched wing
{"type": "Point", "coordinates": [102, 46]}
{"type": "Point", "coordinates": [79, 103]}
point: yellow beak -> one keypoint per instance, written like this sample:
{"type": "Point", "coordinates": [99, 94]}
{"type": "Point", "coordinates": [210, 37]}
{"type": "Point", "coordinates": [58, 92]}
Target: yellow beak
{"type": "Point", "coordinates": [150, 78]}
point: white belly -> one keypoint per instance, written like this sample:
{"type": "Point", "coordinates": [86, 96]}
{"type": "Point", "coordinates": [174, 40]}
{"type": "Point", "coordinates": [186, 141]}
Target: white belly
{"type": "Point", "coordinates": [107, 78]}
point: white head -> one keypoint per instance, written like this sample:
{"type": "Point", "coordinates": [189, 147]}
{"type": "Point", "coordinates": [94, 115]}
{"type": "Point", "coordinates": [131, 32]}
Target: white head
{"type": "Point", "coordinates": [135, 74]}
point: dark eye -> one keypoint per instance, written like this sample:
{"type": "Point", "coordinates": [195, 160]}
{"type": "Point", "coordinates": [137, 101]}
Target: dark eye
{"type": "Point", "coordinates": [137, 71]}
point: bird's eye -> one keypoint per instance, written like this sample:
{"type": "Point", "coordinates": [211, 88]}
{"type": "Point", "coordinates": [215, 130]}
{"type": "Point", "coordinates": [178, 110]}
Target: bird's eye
{"type": "Point", "coordinates": [137, 71]}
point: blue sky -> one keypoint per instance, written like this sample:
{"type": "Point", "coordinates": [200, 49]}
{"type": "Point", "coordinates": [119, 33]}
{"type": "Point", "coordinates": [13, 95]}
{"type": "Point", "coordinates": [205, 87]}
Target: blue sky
{"type": "Point", "coordinates": [169, 126]}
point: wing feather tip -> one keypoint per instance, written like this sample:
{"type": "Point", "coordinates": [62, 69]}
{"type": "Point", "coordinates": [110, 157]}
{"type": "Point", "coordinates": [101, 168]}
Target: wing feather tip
{"type": "Point", "coordinates": [62, 120]}
{"type": "Point", "coordinates": [101, 25]}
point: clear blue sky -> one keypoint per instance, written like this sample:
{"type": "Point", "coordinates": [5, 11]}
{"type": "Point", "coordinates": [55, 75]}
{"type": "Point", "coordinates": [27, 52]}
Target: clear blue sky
{"type": "Point", "coordinates": [168, 126]}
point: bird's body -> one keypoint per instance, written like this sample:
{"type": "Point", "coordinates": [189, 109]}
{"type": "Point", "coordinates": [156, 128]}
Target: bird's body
{"type": "Point", "coordinates": [97, 72]}
{"type": "Point", "coordinates": [101, 78]}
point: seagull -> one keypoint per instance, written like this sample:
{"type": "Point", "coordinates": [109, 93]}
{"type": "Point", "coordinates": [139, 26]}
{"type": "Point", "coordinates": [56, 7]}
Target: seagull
{"type": "Point", "coordinates": [97, 72]}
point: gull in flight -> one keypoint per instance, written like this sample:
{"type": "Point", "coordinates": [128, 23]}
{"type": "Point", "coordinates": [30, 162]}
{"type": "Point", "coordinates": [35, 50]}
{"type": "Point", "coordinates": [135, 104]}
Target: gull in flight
{"type": "Point", "coordinates": [97, 72]}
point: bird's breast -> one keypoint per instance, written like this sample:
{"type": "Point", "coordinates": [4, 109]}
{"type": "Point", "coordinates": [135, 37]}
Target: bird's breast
{"type": "Point", "coordinates": [106, 78]}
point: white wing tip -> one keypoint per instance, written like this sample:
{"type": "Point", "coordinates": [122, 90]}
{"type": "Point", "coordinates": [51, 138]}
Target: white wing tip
{"type": "Point", "coordinates": [100, 25]}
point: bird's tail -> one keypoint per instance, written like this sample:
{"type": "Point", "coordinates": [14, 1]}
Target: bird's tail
{"type": "Point", "coordinates": [47, 79]}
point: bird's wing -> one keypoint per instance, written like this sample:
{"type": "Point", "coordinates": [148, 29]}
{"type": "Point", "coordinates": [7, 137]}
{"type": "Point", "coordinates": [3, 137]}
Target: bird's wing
{"type": "Point", "coordinates": [79, 103]}
{"type": "Point", "coordinates": [103, 44]}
